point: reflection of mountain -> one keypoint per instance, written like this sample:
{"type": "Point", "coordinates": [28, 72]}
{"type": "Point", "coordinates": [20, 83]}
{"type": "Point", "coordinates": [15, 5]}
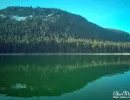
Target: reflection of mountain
{"type": "Point", "coordinates": [27, 76]}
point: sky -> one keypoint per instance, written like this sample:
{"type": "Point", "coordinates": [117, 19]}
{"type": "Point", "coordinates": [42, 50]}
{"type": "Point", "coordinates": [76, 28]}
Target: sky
{"type": "Point", "coordinates": [105, 13]}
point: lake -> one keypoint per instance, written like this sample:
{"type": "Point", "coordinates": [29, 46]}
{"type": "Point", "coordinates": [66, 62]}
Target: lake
{"type": "Point", "coordinates": [64, 77]}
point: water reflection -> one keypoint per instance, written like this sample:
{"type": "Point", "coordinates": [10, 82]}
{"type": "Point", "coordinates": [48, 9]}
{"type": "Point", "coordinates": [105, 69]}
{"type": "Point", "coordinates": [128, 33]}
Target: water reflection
{"type": "Point", "coordinates": [28, 76]}
{"type": "Point", "coordinates": [19, 86]}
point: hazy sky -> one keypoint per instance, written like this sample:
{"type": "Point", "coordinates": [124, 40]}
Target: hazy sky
{"type": "Point", "coordinates": [106, 13]}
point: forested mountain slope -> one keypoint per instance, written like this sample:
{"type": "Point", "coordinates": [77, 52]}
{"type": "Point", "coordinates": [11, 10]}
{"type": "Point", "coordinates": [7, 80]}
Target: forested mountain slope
{"type": "Point", "coordinates": [27, 29]}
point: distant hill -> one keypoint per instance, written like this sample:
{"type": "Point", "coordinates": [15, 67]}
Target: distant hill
{"type": "Point", "coordinates": [22, 27]}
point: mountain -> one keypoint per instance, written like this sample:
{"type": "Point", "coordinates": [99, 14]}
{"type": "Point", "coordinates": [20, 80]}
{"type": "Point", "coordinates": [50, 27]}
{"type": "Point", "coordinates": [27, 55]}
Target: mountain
{"type": "Point", "coordinates": [24, 28]}
{"type": "Point", "coordinates": [50, 20]}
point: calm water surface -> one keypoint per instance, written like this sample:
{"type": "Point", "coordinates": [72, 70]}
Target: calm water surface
{"type": "Point", "coordinates": [59, 77]}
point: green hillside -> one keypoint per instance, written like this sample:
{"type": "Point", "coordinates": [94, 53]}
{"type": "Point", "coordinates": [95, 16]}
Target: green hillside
{"type": "Point", "coordinates": [27, 29]}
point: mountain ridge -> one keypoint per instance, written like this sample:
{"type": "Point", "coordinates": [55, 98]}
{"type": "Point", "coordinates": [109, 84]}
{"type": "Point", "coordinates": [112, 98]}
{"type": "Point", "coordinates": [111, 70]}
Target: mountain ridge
{"type": "Point", "coordinates": [75, 24]}
{"type": "Point", "coordinates": [47, 30]}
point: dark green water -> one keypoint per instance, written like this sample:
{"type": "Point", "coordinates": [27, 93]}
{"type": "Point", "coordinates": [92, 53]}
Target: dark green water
{"type": "Point", "coordinates": [58, 77]}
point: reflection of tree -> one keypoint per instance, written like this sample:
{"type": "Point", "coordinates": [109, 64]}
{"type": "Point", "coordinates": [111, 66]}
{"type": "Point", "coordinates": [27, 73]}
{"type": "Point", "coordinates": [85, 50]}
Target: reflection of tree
{"type": "Point", "coordinates": [59, 60]}
{"type": "Point", "coordinates": [45, 79]}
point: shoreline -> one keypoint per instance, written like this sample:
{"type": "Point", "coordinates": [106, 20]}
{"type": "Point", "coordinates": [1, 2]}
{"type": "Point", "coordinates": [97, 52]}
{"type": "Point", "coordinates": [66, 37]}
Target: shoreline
{"type": "Point", "coordinates": [15, 54]}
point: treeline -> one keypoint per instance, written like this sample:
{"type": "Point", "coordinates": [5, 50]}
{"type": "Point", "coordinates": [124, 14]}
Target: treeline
{"type": "Point", "coordinates": [57, 44]}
